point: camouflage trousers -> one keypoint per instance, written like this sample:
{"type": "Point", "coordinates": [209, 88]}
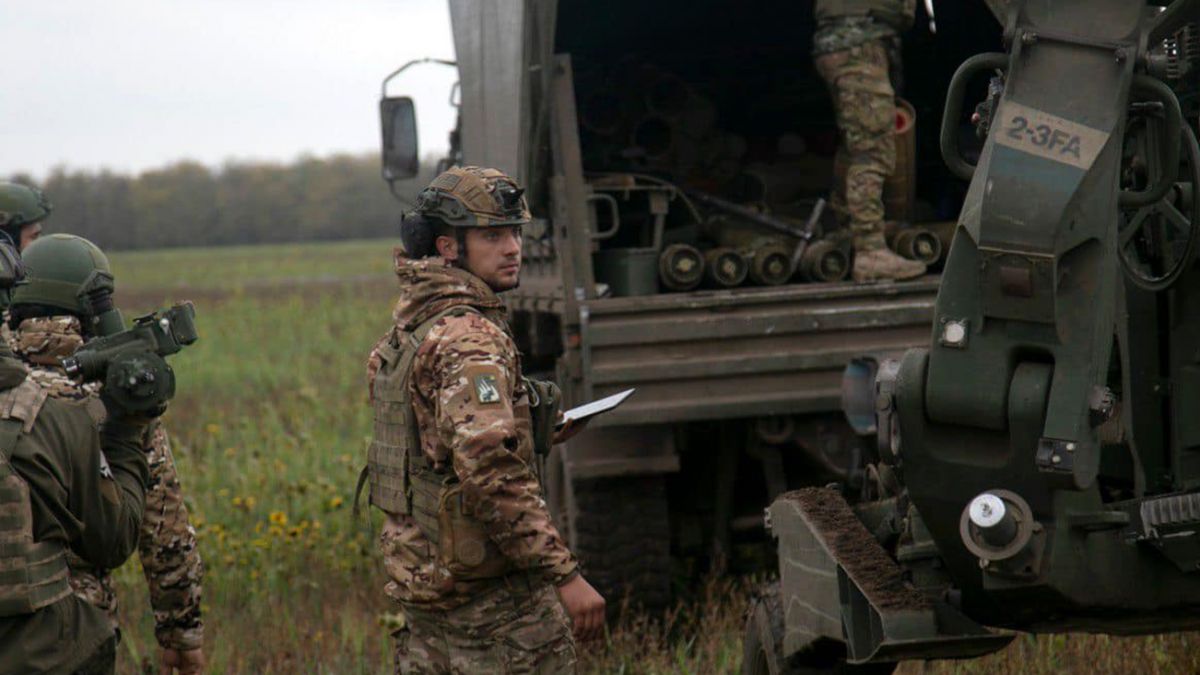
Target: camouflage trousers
{"type": "Point", "coordinates": [865, 106]}
{"type": "Point", "coordinates": [503, 630]}
{"type": "Point", "coordinates": [103, 661]}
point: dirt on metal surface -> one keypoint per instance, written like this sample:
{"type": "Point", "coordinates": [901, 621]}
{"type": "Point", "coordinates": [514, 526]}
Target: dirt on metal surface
{"type": "Point", "coordinates": [856, 550]}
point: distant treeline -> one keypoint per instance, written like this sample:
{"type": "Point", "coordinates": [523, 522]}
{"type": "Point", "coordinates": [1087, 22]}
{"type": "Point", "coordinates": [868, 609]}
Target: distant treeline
{"type": "Point", "coordinates": [189, 204]}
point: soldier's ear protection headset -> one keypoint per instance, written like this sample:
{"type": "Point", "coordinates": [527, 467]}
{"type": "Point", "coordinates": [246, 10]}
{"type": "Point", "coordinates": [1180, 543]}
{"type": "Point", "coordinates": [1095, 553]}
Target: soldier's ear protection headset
{"type": "Point", "coordinates": [418, 234]}
{"type": "Point", "coordinates": [95, 294]}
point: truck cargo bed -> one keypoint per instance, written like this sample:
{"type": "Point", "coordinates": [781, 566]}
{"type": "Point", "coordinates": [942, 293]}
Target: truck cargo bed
{"type": "Point", "coordinates": [745, 352]}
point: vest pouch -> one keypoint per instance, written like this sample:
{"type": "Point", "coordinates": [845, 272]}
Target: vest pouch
{"type": "Point", "coordinates": [545, 403]}
{"type": "Point", "coordinates": [464, 546]}
{"type": "Point", "coordinates": [32, 574]}
{"type": "Point", "coordinates": [427, 487]}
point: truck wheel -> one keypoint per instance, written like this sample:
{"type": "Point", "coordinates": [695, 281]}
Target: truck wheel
{"type": "Point", "coordinates": [762, 647]}
{"type": "Point", "coordinates": [622, 536]}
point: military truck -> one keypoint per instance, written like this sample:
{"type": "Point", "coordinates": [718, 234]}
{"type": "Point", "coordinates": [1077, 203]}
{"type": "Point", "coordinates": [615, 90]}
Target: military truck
{"type": "Point", "coordinates": [1034, 464]}
{"type": "Point", "coordinates": [670, 151]}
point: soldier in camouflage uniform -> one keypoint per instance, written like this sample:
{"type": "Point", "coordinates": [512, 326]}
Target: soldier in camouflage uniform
{"type": "Point", "coordinates": [46, 324]}
{"type": "Point", "coordinates": [485, 581]}
{"type": "Point", "coordinates": [851, 48]}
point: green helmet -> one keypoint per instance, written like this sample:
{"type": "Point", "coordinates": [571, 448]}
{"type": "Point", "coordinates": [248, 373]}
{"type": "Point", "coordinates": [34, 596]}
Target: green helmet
{"type": "Point", "coordinates": [66, 272]}
{"type": "Point", "coordinates": [471, 196]}
{"type": "Point", "coordinates": [21, 205]}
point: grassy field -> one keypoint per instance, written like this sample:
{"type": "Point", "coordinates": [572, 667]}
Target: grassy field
{"type": "Point", "coordinates": [269, 430]}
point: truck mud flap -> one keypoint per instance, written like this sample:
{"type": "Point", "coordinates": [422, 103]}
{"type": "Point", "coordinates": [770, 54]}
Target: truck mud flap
{"type": "Point", "coordinates": [838, 584]}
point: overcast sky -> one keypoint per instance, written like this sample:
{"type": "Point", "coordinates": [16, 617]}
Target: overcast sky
{"type": "Point", "coordinates": [136, 84]}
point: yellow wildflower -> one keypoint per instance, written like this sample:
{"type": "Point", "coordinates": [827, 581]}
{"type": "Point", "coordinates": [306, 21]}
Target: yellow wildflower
{"type": "Point", "coordinates": [278, 518]}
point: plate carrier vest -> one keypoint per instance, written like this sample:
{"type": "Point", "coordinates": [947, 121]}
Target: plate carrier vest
{"type": "Point", "coordinates": [404, 482]}
{"type": "Point", "coordinates": [32, 574]}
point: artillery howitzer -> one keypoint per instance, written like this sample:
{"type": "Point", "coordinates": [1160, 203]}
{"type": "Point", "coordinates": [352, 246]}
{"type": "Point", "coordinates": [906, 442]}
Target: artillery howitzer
{"type": "Point", "coordinates": [1037, 466]}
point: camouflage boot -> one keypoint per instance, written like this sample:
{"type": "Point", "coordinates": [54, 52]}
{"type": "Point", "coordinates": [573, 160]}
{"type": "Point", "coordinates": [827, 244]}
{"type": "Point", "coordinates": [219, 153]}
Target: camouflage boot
{"type": "Point", "coordinates": [882, 264]}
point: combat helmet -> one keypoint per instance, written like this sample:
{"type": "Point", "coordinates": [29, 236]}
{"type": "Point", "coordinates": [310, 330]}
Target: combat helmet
{"type": "Point", "coordinates": [21, 205]}
{"type": "Point", "coordinates": [472, 196]}
{"type": "Point", "coordinates": [66, 272]}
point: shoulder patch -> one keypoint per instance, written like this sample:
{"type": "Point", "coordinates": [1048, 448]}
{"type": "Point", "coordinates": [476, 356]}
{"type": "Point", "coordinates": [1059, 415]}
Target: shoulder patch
{"type": "Point", "coordinates": [485, 384]}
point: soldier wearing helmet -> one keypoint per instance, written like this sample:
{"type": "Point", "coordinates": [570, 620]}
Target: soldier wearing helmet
{"type": "Point", "coordinates": [66, 300]}
{"type": "Point", "coordinates": [22, 210]}
{"type": "Point", "coordinates": [68, 485]}
{"type": "Point", "coordinates": [485, 581]}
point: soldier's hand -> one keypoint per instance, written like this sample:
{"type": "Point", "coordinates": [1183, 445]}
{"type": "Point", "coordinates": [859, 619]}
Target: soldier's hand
{"type": "Point", "coordinates": [568, 430]}
{"type": "Point", "coordinates": [585, 606]}
{"type": "Point", "coordinates": [116, 410]}
{"type": "Point", "coordinates": [183, 662]}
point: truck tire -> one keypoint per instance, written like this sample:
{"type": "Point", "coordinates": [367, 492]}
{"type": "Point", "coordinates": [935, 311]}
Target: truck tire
{"type": "Point", "coordinates": [762, 646]}
{"type": "Point", "coordinates": [622, 535]}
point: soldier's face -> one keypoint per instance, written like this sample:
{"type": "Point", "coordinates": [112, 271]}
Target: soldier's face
{"type": "Point", "coordinates": [494, 255]}
{"type": "Point", "coordinates": [29, 234]}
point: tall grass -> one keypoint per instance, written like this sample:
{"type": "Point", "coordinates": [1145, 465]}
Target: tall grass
{"type": "Point", "coordinates": [269, 428]}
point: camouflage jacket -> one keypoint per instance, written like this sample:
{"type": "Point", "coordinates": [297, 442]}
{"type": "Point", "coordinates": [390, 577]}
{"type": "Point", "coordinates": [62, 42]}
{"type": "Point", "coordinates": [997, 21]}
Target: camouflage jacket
{"type": "Point", "coordinates": [479, 442]}
{"type": "Point", "coordinates": [167, 543]}
{"type": "Point", "coordinates": [86, 493]}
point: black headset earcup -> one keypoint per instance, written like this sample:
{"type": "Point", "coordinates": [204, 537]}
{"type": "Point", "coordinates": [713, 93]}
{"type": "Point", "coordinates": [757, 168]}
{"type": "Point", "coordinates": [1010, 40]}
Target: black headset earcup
{"type": "Point", "coordinates": [416, 234]}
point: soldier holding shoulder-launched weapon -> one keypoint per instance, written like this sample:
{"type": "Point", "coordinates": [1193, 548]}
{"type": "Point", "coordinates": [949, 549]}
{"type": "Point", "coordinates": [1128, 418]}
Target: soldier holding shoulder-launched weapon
{"type": "Point", "coordinates": [66, 299]}
{"type": "Point", "coordinates": [66, 485]}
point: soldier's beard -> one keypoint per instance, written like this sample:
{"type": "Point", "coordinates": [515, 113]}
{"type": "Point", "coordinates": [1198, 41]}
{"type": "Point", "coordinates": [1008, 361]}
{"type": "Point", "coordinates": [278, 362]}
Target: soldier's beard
{"type": "Point", "coordinates": [499, 286]}
{"type": "Point", "coordinates": [496, 279]}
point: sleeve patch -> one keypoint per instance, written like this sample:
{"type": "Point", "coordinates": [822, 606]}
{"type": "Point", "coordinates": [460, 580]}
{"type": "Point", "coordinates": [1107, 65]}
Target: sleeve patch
{"type": "Point", "coordinates": [485, 385]}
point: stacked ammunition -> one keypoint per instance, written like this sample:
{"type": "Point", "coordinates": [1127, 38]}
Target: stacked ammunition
{"type": "Point", "coordinates": [643, 125]}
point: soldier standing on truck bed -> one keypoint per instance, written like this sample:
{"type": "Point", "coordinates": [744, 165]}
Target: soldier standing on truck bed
{"type": "Point", "coordinates": [51, 317]}
{"type": "Point", "coordinates": [854, 44]}
{"type": "Point", "coordinates": [478, 567]}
